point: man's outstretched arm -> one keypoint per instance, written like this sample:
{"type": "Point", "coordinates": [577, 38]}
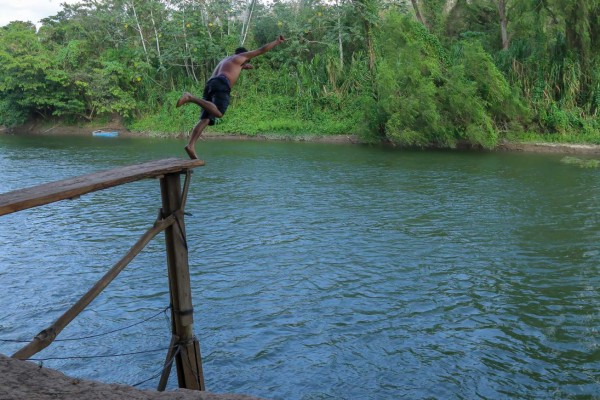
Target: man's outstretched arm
{"type": "Point", "coordinates": [262, 50]}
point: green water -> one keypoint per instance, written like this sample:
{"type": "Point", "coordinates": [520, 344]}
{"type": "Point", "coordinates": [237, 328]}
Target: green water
{"type": "Point", "coordinates": [321, 271]}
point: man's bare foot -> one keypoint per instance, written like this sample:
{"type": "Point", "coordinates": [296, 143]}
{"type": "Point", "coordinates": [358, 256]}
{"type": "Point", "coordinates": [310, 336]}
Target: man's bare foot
{"type": "Point", "coordinates": [186, 97]}
{"type": "Point", "coordinates": [191, 153]}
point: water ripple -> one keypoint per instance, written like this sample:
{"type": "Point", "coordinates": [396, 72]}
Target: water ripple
{"type": "Point", "coordinates": [325, 272]}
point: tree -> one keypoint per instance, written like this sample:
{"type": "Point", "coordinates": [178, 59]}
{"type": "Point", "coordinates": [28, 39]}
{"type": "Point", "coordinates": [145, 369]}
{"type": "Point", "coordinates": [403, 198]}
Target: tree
{"type": "Point", "coordinates": [501, 5]}
{"type": "Point", "coordinates": [23, 83]}
{"type": "Point", "coordinates": [366, 10]}
{"type": "Point", "coordinates": [418, 14]}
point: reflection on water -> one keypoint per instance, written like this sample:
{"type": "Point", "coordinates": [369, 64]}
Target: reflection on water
{"type": "Point", "coordinates": [321, 271]}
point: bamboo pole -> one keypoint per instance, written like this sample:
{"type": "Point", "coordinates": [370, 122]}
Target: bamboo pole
{"type": "Point", "coordinates": [47, 336]}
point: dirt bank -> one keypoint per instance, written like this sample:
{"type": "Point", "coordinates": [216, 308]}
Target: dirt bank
{"type": "Point", "coordinates": [46, 129]}
{"type": "Point", "coordinates": [550, 148]}
{"type": "Point", "coordinates": [117, 125]}
{"type": "Point", "coordinates": [20, 380]}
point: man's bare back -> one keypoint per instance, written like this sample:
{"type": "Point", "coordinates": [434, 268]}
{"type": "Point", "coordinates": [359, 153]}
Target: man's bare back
{"type": "Point", "coordinates": [230, 67]}
{"type": "Point", "coordinates": [216, 100]}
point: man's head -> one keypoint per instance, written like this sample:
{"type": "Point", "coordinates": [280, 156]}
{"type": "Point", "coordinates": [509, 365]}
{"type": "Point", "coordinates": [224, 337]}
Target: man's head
{"type": "Point", "coordinates": [240, 50]}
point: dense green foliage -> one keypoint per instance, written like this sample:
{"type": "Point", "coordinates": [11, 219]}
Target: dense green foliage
{"type": "Point", "coordinates": [428, 72]}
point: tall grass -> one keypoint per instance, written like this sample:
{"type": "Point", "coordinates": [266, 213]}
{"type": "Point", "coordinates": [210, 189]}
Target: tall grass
{"type": "Point", "coordinates": [563, 95]}
{"type": "Point", "coordinates": [289, 101]}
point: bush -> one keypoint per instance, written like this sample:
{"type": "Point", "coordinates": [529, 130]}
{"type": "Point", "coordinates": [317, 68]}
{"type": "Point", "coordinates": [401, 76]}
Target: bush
{"type": "Point", "coordinates": [427, 98]}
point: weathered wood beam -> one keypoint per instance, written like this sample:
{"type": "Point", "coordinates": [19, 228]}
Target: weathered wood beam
{"type": "Point", "coordinates": [74, 187]}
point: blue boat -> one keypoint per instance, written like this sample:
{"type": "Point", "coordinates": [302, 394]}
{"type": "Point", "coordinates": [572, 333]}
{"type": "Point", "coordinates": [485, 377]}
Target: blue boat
{"type": "Point", "coordinates": [102, 133]}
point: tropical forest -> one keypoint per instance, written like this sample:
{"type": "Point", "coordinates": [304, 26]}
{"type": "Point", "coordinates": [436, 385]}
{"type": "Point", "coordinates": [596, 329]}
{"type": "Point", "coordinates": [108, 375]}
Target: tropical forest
{"type": "Point", "coordinates": [416, 73]}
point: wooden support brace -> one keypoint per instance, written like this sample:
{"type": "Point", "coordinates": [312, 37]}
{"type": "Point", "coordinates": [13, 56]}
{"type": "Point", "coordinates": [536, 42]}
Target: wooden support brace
{"type": "Point", "coordinates": [47, 336]}
{"type": "Point", "coordinates": [186, 188]}
{"type": "Point", "coordinates": [171, 354]}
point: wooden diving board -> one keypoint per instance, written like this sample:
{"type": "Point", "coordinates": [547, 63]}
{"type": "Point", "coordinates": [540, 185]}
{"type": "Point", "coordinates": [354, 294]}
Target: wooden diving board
{"type": "Point", "coordinates": [74, 187]}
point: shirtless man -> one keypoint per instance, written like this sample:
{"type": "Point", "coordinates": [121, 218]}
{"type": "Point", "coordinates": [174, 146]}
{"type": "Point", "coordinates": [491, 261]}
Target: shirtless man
{"type": "Point", "coordinates": [215, 99]}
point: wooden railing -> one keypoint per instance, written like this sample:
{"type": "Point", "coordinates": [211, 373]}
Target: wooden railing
{"type": "Point", "coordinates": [184, 348]}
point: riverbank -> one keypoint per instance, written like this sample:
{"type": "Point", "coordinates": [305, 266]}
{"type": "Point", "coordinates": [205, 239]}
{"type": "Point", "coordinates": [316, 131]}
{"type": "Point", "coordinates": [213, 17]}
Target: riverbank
{"type": "Point", "coordinates": [117, 125]}
{"type": "Point", "coordinates": [558, 148]}
{"type": "Point", "coordinates": [27, 380]}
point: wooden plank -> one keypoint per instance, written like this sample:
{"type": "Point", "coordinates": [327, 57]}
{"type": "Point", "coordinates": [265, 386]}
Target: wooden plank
{"type": "Point", "coordinates": [73, 187]}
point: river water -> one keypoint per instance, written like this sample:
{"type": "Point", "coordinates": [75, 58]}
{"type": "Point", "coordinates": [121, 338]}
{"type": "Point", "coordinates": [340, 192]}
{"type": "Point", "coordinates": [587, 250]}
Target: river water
{"type": "Point", "coordinates": [319, 271]}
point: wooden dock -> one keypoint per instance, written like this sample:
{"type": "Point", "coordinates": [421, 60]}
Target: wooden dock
{"type": "Point", "coordinates": [184, 348]}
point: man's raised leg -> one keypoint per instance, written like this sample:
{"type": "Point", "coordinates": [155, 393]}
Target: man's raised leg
{"type": "Point", "coordinates": [210, 107]}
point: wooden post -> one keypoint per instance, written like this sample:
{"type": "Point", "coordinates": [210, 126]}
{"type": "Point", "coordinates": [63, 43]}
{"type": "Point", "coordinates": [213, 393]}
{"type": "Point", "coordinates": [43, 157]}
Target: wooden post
{"type": "Point", "coordinates": [188, 360]}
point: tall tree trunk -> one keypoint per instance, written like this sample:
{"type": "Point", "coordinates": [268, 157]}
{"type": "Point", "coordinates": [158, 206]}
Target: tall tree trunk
{"type": "Point", "coordinates": [204, 14]}
{"type": "Point", "coordinates": [189, 68]}
{"type": "Point", "coordinates": [339, 29]}
{"type": "Point", "coordinates": [449, 6]}
{"type": "Point", "coordinates": [228, 25]}
{"type": "Point", "coordinates": [367, 11]}
{"type": "Point", "coordinates": [579, 27]}
{"type": "Point", "coordinates": [370, 47]}
{"type": "Point", "coordinates": [420, 16]}
{"type": "Point", "coordinates": [139, 29]}
{"type": "Point", "coordinates": [156, 38]}
{"type": "Point", "coordinates": [246, 24]}
{"type": "Point", "coordinates": [501, 4]}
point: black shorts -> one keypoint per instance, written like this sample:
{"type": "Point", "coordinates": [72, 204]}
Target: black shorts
{"type": "Point", "coordinates": [217, 90]}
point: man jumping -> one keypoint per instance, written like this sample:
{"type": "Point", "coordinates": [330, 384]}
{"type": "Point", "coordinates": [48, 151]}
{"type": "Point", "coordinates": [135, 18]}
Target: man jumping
{"type": "Point", "coordinates": [215, 100]}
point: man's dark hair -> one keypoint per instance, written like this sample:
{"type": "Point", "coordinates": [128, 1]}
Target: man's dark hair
{"type": "Point", "coordinates": [240, 50]}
